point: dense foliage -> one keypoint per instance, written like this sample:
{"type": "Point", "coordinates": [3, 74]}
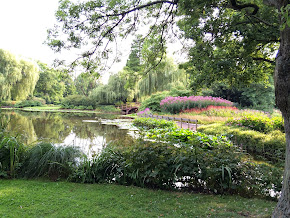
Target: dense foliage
{"type": "Point", "coordinates": [258, 96]}
{"type": "Point", "coordinates": [30, 103]}
{"type": "Point", "coordinates": [17, 77]}
{"type": "Point", "coordinates": [156, 165]}
{"type": "Point", "coordinates": [150, 123]}
{"type": "Point", "coordinates": [259, 123]}
{"type": "Point", "coordinates": [78, 102]}
{"type": "Point", "coordinates": [270, 146]}
{"type": "Point", "coordinates": [53, 85]}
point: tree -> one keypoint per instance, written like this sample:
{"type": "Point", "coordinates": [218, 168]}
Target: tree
{"type": "Point", "coordinates": [85, 83]}
{"type": "Point", "coordinates": [247, 28]}
{"type": "Point", "coordinates": [111, 93]}
{"type": "Point", "coordinates": [51, 85]}
{"type": "Point", "coordinates": [163, 77]}
{"type": "Point", "coordinates": [17, 77]}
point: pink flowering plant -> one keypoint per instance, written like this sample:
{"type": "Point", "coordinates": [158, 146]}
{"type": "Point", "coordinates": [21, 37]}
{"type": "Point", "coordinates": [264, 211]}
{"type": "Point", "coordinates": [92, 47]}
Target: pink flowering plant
{"type": "Point", "coordinates": [146, 111]}
{"type": "Point", "coordinates": [177, 104]}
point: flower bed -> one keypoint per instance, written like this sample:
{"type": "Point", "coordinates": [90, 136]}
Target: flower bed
{"type": "Point", "coordinates": [177, 104]}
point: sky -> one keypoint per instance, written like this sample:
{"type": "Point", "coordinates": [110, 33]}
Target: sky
{"type": "Point", "coordinates": [23, 26]}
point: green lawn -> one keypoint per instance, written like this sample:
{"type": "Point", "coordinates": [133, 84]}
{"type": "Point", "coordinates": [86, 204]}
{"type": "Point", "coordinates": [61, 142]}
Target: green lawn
{"type": "Point", "coordinates": [31, 198]}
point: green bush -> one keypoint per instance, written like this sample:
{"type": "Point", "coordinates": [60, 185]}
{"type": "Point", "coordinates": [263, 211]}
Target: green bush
{"type": "Point", "coordinates": [29, 103]}
{"type": "Point", "coordinates": [164, 166]}
{"type": "Point", "coordinates": [270, 146]}
{"type": "Point", "coordinates": [150, 123]}
{"type": "Point", "coordinates": [195, 139]}
{"type": "Point", "coordinates": [78, 102]}
{"type": "Point", "coordinates": [259, 123]}
{"type": "Point", "coordinates": [153, 102]}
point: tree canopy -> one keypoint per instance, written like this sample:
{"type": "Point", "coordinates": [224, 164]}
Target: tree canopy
{"type": "Point", "coordinates": [17, 77]}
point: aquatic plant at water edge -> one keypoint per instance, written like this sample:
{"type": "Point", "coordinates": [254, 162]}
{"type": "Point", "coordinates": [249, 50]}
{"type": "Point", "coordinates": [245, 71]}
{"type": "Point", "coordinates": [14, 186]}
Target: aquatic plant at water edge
{"type": "Point", "coordinates": [150, 123]}
{"type": "Point", "coordinates": [191, 138]}
{"type": "Point", "coordinates": [48, 160]}
{"type": "Point", "coordinates": [11, 155]}
{"type": "Point", "coordinates": [158, 165]}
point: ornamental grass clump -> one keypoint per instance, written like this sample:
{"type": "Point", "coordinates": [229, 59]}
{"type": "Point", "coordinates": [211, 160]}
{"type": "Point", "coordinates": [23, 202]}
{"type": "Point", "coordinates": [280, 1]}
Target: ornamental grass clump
{"type": "Point", "coordinates": [177, 104]}
{"type": "Point", "coordinates": [223, 111]}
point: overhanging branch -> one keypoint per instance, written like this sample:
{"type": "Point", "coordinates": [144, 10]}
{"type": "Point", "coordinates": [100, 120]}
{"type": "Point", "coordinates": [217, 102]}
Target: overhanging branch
{"type": "Point", "coordinates": [238, 7]}
{"type": "Point", "coordinates": [264, 59]}
{"type": "Point", "coordinates": [140, 7]}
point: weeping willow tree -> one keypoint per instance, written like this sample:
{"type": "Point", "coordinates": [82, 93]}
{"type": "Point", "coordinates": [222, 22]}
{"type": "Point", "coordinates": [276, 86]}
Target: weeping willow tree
{"type": "Point", "coordinates": [17, 77]}
{"type": "Point", "coordinates": [26, 85]}
{"type": "Point", "coordinates": [10, 74]}
{"type": "Point", "coordinates": [111, 93]}
{"type": "Point", "coordinates": [163, 78]}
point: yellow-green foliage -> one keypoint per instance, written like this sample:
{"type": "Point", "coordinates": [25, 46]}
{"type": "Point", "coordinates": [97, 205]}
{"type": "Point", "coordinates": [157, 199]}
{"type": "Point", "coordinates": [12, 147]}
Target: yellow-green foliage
{"type": "Point", "coordinates": [270, 146]}
{"type": "Point", "coordinates": [17, 77]}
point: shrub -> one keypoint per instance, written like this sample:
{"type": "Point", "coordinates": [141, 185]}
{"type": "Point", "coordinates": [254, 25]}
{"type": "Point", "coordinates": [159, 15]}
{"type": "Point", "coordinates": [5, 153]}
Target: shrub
{"type": "Point", "coordinates": [150, 123]}
{"type": "Point", "coordinates": [153, 102]}
{"type": "Point", "coordinates": [144, 112]}
{"type": "Point", "coordinates": [259, 123]}
{"type": "Point", "coordinates": [29, 103]}
{"type": "Point", "coordinates": [270, 146]}
{"type": "Point", "coordinates": [75, 101]}
{"type": "Point", "coordinates": [157, 165]}
{"type": "Point", "coordinates": [195, 139]}
{"type": "Point", "coordinates": [176, 104]}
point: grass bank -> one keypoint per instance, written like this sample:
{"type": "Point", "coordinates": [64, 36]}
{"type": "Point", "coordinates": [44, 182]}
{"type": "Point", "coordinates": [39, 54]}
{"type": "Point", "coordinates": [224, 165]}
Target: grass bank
{"type": "Point", "coordinates": [34, 198]}
{"type": "Point", "coordinates": [57, 108]}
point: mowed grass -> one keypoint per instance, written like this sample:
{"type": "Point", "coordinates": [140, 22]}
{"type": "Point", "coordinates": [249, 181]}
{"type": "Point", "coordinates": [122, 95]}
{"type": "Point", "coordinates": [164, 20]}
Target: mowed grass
{"type": "Point", "coordinates": [34, 198]}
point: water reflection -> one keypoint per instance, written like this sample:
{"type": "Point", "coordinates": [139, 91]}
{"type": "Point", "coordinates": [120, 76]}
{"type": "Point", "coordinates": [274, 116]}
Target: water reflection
{"type": "Point", "coordinates": [83, 130]}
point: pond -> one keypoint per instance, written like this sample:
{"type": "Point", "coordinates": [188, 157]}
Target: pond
{"type": "Point", "coordinates": [91, 132]}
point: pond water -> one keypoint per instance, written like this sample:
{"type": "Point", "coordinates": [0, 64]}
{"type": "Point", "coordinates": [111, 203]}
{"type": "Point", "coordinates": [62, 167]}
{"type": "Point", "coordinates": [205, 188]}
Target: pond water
{"type": "Point", "coordinates": [91, 132]}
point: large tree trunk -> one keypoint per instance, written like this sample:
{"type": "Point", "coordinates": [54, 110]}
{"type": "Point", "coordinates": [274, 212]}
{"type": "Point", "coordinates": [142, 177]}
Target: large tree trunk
{"type": "Point", "coordinates": [282, 92]}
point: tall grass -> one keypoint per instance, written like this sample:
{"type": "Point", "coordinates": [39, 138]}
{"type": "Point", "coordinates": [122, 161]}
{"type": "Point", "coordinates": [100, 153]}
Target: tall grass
{"type": "Point", "coordinates": [11, 154]}
{"type": "Point", "coordinates": [48, 160]}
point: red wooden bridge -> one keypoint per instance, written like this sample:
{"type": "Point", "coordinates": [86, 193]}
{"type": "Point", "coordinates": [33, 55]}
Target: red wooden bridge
{"type": "Point", "coordinates": [129, 108]}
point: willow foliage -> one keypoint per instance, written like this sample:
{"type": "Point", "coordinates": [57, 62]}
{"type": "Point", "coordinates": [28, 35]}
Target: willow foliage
{"type": "Point", "coordinates": [111, 93]}
{"type": "Point", "coordinates": [164, 78]}
{"type": "Point", "coordinates": [17, 77]}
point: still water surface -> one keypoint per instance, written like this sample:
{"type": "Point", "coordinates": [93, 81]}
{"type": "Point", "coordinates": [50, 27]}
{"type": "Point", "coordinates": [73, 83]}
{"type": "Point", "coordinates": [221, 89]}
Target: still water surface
{"type": "Point", "coordinates": [87, 131]}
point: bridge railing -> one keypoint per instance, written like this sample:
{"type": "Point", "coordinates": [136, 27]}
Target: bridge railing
{"type": "Point", "coordinates": [183, 121]}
